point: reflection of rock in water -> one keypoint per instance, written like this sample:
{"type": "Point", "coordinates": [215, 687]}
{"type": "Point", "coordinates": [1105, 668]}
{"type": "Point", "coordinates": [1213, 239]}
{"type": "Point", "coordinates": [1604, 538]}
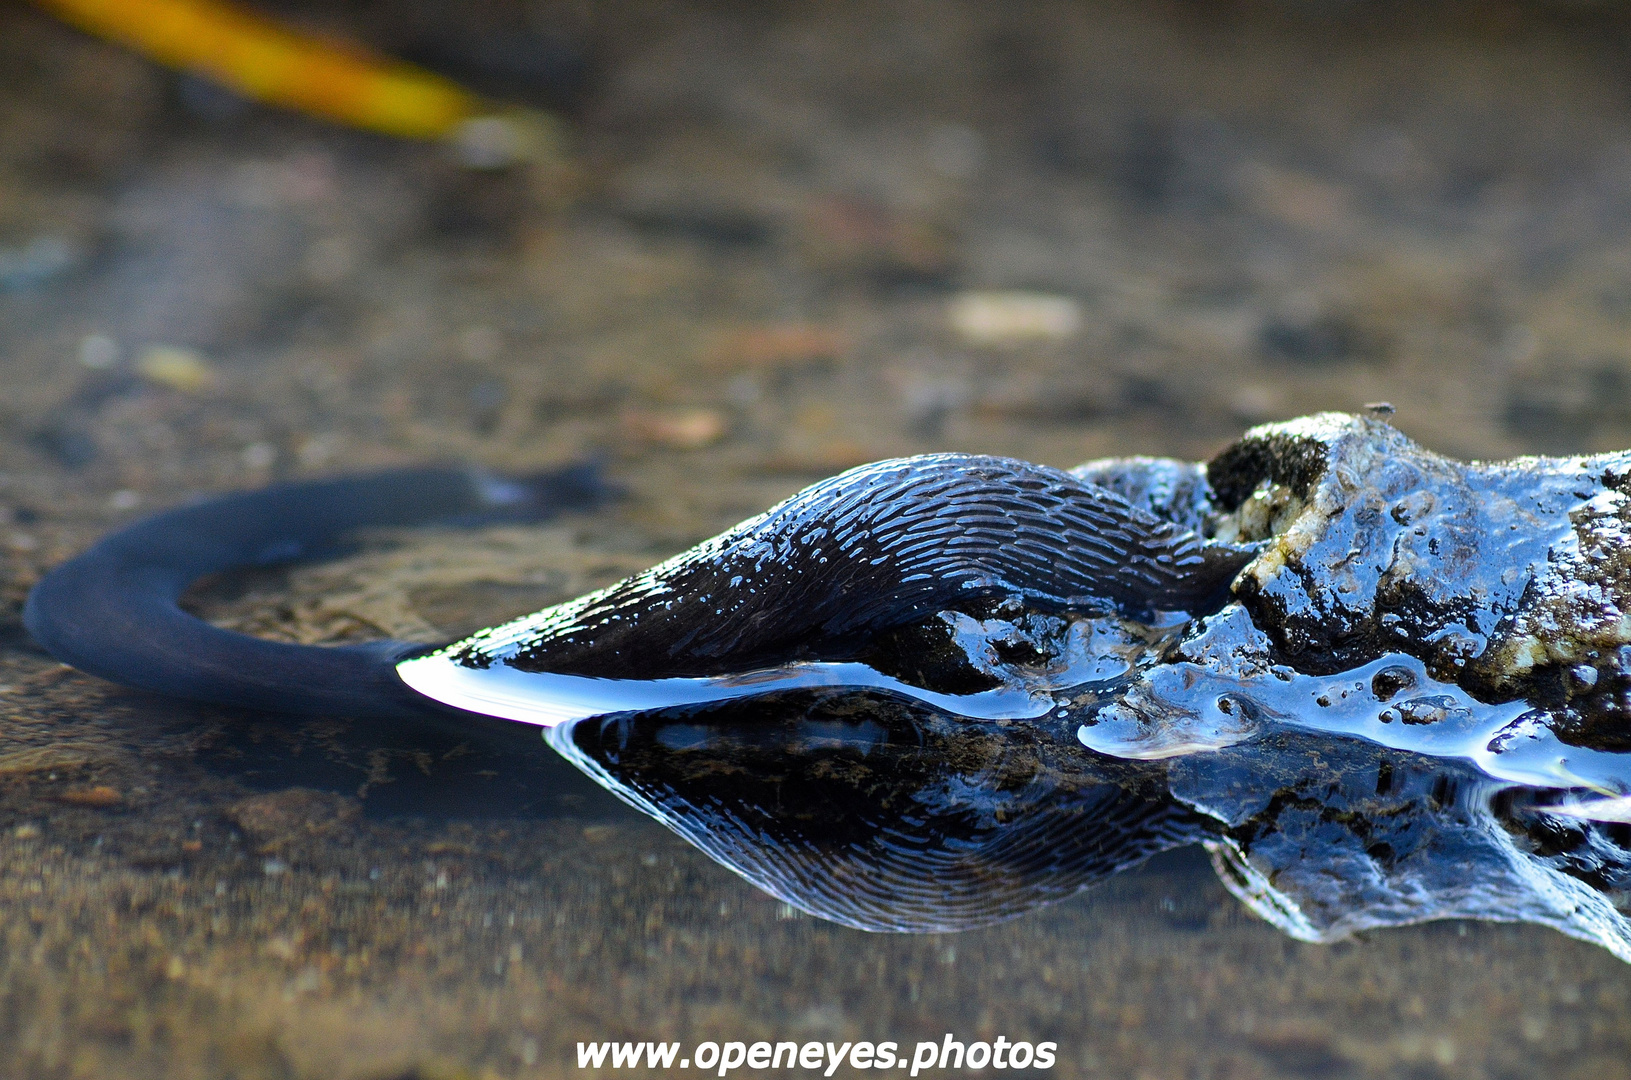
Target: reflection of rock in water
{"type": "Point", "coordinates": [1327, 837]}
{"type": "Point", "coordinates": [889, 816]}
{"type": "Point", "coordinates": [1413, 707]}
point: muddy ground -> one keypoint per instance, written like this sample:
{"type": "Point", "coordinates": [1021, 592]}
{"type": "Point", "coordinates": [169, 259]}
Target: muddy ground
{"type": "Point", "coordinates": [744, 280]}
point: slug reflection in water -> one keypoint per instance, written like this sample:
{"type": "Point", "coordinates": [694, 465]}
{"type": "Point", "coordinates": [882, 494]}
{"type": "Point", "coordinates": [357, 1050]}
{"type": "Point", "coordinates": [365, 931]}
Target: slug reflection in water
{"type": "Point", "coordinates": [1378, 685]}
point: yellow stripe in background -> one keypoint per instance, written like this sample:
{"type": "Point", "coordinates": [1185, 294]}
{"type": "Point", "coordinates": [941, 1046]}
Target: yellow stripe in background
{"type": "Point", "coordinates": [274, 64]}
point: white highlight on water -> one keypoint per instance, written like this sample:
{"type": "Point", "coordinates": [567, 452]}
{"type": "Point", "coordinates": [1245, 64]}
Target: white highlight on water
{"type": "Point", "coordinates": [547, 700]}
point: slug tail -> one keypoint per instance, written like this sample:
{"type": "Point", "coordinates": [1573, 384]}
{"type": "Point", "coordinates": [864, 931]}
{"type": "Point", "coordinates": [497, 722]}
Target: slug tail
{"type": "Point", "coordinates": [113, 611]}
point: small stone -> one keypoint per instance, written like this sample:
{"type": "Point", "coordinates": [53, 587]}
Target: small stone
{"type": "Point", "coordinates": [259, 456]}
{"type": "Point", "coordinates": [689, 429]}
{"type": "Point", "coordinates": [777, 345]}
{"type": "Point", "coordinates": [278, 818]}
{"type": "Point", "coordinates": [997, 319]}
{"type": "Point", "coordinates": [98, 351]}
{"type": "Point", "coordinates": [178, 368]}
{"type": "Point", "coordinates": [99, 797]}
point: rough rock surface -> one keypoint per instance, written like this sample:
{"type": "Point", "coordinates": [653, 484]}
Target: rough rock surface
{"type": "Point", "coordinates": [1511, 579]}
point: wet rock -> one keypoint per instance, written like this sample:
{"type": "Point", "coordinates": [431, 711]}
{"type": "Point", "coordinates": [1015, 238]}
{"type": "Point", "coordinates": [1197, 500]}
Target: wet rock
{"type": "Point", "coordinates": [1412, 704]}
{"type": "Point", "coordinates": [1500, 577]}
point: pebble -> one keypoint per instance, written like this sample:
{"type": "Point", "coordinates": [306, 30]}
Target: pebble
{"type": "Point", "coordinates": [99, 797]}
{"type": "Point", "coordinates": [178, 368]}
{"type": "Point", "coordinates": [999, 319]}
{"type": "Point", "coordinates": [849, 236]}
{"type": "Point", "coordinates": [777, 345]}
{"type": "Point", "coordinates": [98, 351]}
{"type": "Point", "coordinates": [687, 429]}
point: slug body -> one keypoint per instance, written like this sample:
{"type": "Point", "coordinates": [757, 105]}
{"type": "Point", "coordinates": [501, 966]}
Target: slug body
{"type": "Point", "coordinates": [811, 592]}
